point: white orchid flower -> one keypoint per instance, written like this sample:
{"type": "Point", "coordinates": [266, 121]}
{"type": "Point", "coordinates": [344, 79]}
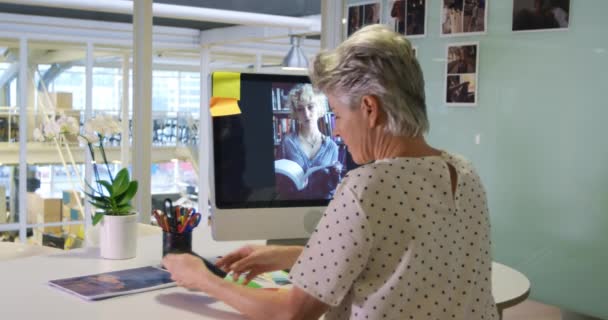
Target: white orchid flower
{"type": "Point", "coordinates": [105, 125]}
{"type": "Point", "coordinates": [115, 126]}
{"type": "Point", "coordinates": [51, 129]}
{"type": "Point", "coordinates": [88, 128]}
{"type": "Point", "coordinates": [111, 126]}
{"type": "Point", "coordinates": [38, 136]}
{"type": "Point", "coordinates": [89, 134]}
{"type": "Point", "coordinates": [68, 125]}
{"type": "Point", "coordinates": [73, 125]}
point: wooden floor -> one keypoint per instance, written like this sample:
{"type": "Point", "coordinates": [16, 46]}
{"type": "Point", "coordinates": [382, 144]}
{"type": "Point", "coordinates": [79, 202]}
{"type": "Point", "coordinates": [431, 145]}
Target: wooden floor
{"type": "Point", "coordinates": [532, 310]}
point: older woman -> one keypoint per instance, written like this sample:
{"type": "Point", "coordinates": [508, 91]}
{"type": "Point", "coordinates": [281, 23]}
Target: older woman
{"type": "Point", "coordinates": [407, 233]}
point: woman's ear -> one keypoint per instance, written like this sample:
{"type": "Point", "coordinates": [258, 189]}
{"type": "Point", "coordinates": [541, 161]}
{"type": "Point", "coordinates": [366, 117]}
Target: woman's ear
{"type": "Point", "coordinates": [370, 106]}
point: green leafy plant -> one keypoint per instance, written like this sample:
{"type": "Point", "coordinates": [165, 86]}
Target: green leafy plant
{"type": "Point", "coordinates": [116, 200]}
{"type": "Point", "coordinates": [109, 197]}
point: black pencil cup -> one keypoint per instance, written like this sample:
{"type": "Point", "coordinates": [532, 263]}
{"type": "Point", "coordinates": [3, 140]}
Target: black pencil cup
{"type": "Point", "coordinates": [177, 242]}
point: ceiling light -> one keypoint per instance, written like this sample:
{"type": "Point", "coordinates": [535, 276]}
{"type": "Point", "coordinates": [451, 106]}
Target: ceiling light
{"type": "Point", "coordinates": [295, 58]}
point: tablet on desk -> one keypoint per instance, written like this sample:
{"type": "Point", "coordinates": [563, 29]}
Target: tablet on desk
{"type": "Point", "coordinates": [115, 283]}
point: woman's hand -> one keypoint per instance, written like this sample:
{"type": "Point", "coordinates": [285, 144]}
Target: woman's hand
{"type": "Point", "coordinates": [335, 173]}
{"type": "Point", "coordinates": [187, 270]}
{"type": "Point", "coordinates": [336, 169]}
{"type": "Point", "coordinates": [256, 259]}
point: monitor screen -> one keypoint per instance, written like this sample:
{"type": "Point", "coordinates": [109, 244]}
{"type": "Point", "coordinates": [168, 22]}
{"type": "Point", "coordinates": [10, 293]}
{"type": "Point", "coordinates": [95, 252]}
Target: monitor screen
{"type": "Point", "coordinates": [278, 154]}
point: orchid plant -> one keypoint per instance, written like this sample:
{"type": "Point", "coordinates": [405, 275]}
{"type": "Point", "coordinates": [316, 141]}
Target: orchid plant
{"type": "Point", "coordinates": [110, 197]}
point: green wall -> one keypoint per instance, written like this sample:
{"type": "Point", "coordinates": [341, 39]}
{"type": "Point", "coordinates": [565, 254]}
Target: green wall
{"type": "Point", "coordinates": [543, 152]}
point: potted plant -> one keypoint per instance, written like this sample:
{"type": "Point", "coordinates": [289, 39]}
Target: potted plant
{"type": "Point", "coordinates": [110, 197]}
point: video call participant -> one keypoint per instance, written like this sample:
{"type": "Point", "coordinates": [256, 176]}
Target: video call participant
{"type": "Point", "coordinates": [309, 148]}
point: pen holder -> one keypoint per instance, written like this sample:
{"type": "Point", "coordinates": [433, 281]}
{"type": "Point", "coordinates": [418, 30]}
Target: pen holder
{"type": "Point", "coordinates": [177, 242]}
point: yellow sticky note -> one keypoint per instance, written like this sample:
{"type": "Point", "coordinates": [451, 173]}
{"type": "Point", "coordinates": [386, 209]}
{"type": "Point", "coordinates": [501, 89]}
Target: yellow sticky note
{"type": "Point", "coordinates": [226, 85]}
{"type": "Point", "coordinates": [224, 107]}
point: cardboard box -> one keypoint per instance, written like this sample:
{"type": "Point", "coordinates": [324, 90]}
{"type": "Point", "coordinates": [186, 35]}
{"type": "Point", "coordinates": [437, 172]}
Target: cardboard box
{"type": "Point", "coordinates": [60, 100]}
{"type": "Point", "coordinates": [43, 210]}
{"type": "Point", "coordinates": [70, 211]}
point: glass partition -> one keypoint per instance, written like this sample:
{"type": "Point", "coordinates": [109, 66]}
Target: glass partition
{"type": "Point", "coordinates": [56, 89]}
{"type": "Point", "coordinates": [175, 118]}
{"type": "Point", "coordinates": [9, 135]}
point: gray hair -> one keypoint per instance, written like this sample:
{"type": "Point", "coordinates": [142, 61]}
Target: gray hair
{"type": "Point", "coordinates": [379, 62]}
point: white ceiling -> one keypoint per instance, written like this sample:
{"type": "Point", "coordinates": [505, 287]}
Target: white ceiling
{"type": "Point", "coordinates": [231, 46]}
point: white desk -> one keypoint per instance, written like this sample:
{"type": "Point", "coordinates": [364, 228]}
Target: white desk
{"type": "Point", "coordinates": [509, 286]}
{"type": "Point", "coordinates": [15, 250]}
{"type": "Point", "coordinates": [25, 292]}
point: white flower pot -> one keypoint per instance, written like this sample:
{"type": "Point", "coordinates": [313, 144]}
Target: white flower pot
{"type": "Point", "coordinates": [118, 237]}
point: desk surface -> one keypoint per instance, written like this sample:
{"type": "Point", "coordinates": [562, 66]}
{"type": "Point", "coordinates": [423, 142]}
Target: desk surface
{"type": "Point", "coordinates": [14, 250]}
{"type": "Point", "coordinates": [509, 286]}
{"type": "Point", "coordinates": [30, 297]}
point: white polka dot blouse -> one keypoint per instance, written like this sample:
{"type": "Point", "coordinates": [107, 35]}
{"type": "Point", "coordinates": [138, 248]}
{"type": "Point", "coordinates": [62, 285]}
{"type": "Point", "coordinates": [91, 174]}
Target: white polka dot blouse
{"type": "Point", "coordinates": [396, 243]}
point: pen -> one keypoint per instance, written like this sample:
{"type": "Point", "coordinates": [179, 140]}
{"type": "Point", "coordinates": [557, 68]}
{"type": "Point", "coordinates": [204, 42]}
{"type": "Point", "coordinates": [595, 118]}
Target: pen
{"type": "Point", "coordinates": [157, 215]}
{"type": "Point", "coordinates": [194, 221]}
{"type": "Point", "coordinates": [166, 223]}
{"type": "Point", "coordinates": [190, 222]}
{"type": "Point", "coordinates": [184, 225]}
{"type": "Point", "coordinates": [170, 215]}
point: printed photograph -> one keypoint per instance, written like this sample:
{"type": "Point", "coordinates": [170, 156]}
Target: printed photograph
{"type": "Point", "coordinates": [474, 16]}
{"type": "Point", "coordinates": [460, 17]}
{"type": "Point", "coordinates": [362, 15]}
{"type": "Point", "coordinates": [540, 14]}
{"type": "Point", "coordinates": [461, 74]}
{"type": "Point", "coordinates": [461, 89]}
{"type": "Point", "coordinates": [408, 17]}
{"type": "Point", "coordinates": [462, 59]}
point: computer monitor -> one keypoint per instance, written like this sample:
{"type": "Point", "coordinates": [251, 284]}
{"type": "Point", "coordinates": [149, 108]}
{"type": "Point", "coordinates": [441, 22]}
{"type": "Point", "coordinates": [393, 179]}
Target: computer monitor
{"type": "Point", "coordinates": [259, 186]}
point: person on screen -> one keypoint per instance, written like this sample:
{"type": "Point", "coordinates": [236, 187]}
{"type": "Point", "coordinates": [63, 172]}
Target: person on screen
{"type": "Point", "coordinates": [407, 234]}
{"type": "Point", "coordinates": [309, 148]}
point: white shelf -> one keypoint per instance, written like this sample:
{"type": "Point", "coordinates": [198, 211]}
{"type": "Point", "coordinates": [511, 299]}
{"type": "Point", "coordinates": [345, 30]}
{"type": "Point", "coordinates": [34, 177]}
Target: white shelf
{"type": "Point", "coordinates": [47, 154]}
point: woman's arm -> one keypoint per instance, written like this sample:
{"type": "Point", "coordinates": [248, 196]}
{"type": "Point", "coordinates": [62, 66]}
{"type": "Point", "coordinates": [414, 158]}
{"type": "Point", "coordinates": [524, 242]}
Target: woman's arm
{"type": "Point", "coordinates": [266, 304]}
{"type": "Point", "coordinates": [190, 272]}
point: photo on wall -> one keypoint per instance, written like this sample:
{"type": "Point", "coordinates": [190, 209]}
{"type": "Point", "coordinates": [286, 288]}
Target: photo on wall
{"type": "Point", "coordinates": [461, 84]}
{"type": "Point", "coordinates": [408, 17]}
{"type": "Point", "coordinates": [361, 15]}
{"type": "Point", "coordinates": [463, 17]}
{"type": "Point", "coordinates": [538, 15]}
